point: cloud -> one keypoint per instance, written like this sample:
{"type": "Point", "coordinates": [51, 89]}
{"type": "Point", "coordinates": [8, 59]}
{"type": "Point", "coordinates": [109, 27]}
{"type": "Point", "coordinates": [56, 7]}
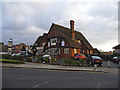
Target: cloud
{"type": "Point", "coordinates": [26, 21]}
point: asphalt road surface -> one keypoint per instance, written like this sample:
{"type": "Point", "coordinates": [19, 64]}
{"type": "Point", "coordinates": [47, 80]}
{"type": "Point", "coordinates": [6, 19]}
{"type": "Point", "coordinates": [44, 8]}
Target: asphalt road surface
{"type": "Point", "coordinates": [29, 78]}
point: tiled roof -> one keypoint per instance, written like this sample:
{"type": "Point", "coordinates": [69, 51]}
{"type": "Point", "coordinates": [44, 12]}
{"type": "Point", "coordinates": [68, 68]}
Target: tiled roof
{"type": "Point", "coordinates": [117, 47]}
{"type": "Point", "coordinates": [38, 40]}
{"type": "Point", "coordinates": [66, 32]}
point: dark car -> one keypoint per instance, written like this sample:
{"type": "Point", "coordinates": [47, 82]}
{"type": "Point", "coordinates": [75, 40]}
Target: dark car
{"type": "Point", "coordinates": [45, 58]}
{"type": "Point", "coordinates": [116, 60]}
{"type": "Point", "coordinates": [79, 56]}
{"type": "Point", "coordinates": [96, 60]}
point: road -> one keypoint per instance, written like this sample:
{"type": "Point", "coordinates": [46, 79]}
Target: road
{"type": "Point", "coordinates": [32, 78]}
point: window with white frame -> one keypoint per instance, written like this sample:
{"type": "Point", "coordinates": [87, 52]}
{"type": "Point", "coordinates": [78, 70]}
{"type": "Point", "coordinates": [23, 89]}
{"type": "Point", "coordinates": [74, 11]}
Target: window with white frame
{"type": "Point", "coordinates": [48, 44]}
{"type": "Point", "coordinates": [66, 50]}
{"type": "Point", "coordinates": [40, 51]}
{"type": "Point", "coordinates": [54, 51]}
{"type": "Point", "coordinates": [53, 41]}
{"type": "Point", "coordinates": [62, 43]}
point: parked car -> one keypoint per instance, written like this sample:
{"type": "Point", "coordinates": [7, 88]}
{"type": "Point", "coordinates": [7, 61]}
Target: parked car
{"type": "Point", "coordinates": [4, 53]}
{"type": "Point", "coordinates": [44, 57]}
{"type": "Point", "coordinates": [116, 60]}
{"type": "Point", "coordinates": [96, 60]}
{"type": "Point", "coordinates": [79, 56]}
{"type": "Point", "coordinates": [16, 54]}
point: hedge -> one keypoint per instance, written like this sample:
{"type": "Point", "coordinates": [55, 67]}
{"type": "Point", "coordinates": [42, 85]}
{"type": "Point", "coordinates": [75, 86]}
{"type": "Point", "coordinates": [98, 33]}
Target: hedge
{"type": "Point", "coordinates": [6, 56]}
{"type": "Point", "coordinates": [71, 62]}
{"type": "Point", "coordinates": [28, 59]}
{"type": "Point", "coordinates": [17, 57]}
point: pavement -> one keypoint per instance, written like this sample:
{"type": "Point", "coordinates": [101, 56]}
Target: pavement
{"type": "Point", "coordinates": [32, 65]}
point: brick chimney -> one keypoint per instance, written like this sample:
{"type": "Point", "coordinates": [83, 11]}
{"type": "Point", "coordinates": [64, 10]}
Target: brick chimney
{"type": "Point", "coordinates": [72, 29]}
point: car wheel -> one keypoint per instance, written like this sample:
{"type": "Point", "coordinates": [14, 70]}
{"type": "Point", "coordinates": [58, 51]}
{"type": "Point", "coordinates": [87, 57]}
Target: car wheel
{"type": "Point", "coordinates": [113, 61]}
{"type": "Point", "coordinates": [117, 62]}
{"type": "Point", "coordinates": [100, 64]}
{"type": "Point", "coordinates": [43, 62]}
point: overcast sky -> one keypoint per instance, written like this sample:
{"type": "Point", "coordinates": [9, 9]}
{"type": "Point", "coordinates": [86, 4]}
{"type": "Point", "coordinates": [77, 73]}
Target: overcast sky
{"type": "Point", "coordinates": [26, 21]}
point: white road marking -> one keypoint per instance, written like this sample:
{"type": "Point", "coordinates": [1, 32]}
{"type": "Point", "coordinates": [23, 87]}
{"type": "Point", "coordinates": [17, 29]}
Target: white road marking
{"type": "Point", "coordinates": [40, 84]}
{"type": "Point", "coordinates": [35, 86]}
{"type": "Point", "coordinates": [98, 85]}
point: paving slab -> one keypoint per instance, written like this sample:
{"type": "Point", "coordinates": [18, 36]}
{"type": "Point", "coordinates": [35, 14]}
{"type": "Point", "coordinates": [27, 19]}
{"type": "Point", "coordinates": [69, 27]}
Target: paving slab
{"type": "Point", "coordinates": [58, 67]}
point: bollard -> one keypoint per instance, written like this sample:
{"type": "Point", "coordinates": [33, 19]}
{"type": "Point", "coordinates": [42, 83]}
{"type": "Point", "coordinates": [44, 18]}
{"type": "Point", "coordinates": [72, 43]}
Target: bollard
{"type": "Point", "coordinates": [108, 64]}
{"type": "Point", "coordinates": [95, 67]}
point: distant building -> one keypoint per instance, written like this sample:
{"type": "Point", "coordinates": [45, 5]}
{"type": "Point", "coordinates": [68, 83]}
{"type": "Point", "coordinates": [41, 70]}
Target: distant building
{"type": "Point", "coordinates": [10, 44]}
{"type": "Point", "coordinates": [3, 48]}
{"type": "Point", "coordinates": [107, 53]}
{"type": "Point", "coordinates": [96, 51]}
{"type": "Point", "coordinates": [63, 42]}
{"type": "Point", "coordinates": [117, 49]}
{"type": "Point", "coordinates": [20, 47]}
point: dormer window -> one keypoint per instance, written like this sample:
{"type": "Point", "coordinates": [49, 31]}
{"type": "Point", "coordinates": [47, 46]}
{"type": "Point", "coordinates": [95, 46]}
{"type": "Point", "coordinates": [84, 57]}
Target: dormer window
{"type": "Point", "coordinates": [53, 41]}
{"type": "Point", "coordinates": [62, 43]}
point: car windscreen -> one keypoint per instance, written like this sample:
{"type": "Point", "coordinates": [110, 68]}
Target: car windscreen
{"type": "Point", "coordinates": [46, 56]}
{"type": "Point", "coordinates": [115, 57]}
{"type": "Point", "coordinates": [82, 55]}
{"type": "Point", "coordinates": [96, 57]}
{"type": "Point", "coordinates": [76, 55]}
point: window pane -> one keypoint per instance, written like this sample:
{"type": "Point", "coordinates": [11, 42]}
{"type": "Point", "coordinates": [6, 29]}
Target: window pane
{"type": "Point", "coordinates": [48, 44]}
{"type": "Point", "coordinates": [66, 50]}
{"type": "Point", "coordinates": [63, 43]}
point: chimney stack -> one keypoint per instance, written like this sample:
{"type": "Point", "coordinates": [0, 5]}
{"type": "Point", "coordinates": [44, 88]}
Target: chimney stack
{"type": "Point", "coordinates": [72, 29]}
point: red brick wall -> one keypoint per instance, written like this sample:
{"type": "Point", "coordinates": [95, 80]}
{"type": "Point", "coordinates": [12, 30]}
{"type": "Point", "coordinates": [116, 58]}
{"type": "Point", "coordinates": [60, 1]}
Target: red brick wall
{"type": "Point", "coordinates": [65, 55]}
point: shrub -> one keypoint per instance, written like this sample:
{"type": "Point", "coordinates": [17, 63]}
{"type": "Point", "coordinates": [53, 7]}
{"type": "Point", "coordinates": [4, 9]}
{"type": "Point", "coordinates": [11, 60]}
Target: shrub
{"type": "Point", "coordinates": [17, 57]}
{"type": "Point", "coordinates": [69, 61]}
{"type": "Point", "coordinates": [53, 60]}
{"type": "Point", "coordinates": [77, 63]}
{"type": "Point", "coordinates": [46, 60]}
{"type": "Point", "coordinates": [6, 56]}
{"type": "Point", "coordinates": [39, 58]}
{"type": "Point", "coordinates": [83, 61]}
{"type": "Point", "coordinates": [28, 59]}
{"type": "Point", "coordinates": [65, 62]}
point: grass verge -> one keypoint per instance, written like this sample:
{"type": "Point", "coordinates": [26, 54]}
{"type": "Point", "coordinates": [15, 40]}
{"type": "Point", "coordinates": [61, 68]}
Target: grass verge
{"type": "Point", "coordinates": [11, 61]}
